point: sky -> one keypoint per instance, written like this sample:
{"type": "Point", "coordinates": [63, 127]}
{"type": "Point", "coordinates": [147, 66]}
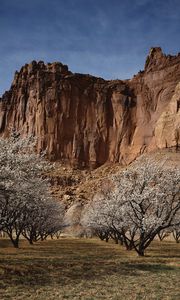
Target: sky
{"type": "Point", "coordinates": [105, 38]}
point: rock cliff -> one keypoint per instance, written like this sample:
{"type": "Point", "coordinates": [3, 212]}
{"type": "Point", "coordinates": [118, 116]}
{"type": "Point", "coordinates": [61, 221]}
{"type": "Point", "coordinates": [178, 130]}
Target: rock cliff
{"type": "Point", "coordinates": [88, 121]}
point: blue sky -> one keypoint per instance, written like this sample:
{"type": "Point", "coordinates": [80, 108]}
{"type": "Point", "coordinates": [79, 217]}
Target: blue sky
{"type": "Point", "coordinates": [106, 38]}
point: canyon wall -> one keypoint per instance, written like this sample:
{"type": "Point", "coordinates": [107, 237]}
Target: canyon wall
{"type": "Point", "coordinates": [88, 121]}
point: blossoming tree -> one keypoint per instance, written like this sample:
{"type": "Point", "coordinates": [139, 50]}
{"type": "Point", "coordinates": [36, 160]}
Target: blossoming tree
{"type": "Point", "coordinates": [26, 205]}
{"type": "Point", "coordinates": [144, 199]}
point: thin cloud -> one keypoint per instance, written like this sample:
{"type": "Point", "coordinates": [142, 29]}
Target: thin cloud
{"type": "Point", "coordinates": [109, 39]}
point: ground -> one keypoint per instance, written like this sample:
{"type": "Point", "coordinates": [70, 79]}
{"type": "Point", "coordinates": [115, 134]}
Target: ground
{"type": "Point", "coordinates": [88, 269]}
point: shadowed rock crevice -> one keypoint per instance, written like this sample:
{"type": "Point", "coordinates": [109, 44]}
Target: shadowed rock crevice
{"type": "Point", "coordinates": [88, 121]}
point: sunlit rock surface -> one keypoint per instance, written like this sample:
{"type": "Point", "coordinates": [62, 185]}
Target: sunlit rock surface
{"type": "Point", "coordinates": [88, 121]}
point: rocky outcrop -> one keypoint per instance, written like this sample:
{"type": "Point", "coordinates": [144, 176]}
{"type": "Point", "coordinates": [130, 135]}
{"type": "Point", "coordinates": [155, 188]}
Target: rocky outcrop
{"type": "Point", "coordinates": [89, 121]}
{"type": "Point", "coordinates": [167, 129]}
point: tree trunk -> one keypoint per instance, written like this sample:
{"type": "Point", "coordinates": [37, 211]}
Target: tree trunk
{"type": "Point", "coordinates": [140, 251]}
{"type": "Point", "coordinates": [121, 242]}
{"type": "Point", "coordinates": [129, 247]}
{"type": "Point", "coordinates": [15, 242]}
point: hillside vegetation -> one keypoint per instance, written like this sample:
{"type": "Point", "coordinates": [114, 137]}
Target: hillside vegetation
{"type": "Point", "coordinates": [73, 184]}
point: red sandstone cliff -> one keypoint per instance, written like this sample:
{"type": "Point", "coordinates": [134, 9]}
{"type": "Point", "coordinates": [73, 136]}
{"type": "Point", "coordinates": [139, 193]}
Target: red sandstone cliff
{"type": "Point", "coordinates": [88, 120]}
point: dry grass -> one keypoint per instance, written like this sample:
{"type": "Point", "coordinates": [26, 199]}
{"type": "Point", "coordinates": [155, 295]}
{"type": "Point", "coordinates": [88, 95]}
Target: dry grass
{"type": "Point", "coordinates": [87, 270]}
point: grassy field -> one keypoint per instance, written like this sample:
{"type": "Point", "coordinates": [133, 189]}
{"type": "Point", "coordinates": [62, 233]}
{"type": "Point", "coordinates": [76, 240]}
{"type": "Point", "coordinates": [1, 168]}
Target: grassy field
{"type": "Point", "coordinates": [88, 269]}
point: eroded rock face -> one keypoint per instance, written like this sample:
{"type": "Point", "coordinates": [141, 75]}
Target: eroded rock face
{"type": "Point", "coordinates": [89, 121]}
{"type": "Point", "coordinates": [167, 129]}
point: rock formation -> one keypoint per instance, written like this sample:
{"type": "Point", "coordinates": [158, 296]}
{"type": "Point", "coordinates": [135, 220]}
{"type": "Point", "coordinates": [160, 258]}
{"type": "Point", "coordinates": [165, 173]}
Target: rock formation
{"type": "Point", "coordinates": [88, 121]}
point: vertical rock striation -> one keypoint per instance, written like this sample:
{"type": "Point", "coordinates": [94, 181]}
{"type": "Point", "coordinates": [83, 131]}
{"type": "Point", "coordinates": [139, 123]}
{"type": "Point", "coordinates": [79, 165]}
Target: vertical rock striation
{"type": "Point", "coordinates": [89, 121]}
